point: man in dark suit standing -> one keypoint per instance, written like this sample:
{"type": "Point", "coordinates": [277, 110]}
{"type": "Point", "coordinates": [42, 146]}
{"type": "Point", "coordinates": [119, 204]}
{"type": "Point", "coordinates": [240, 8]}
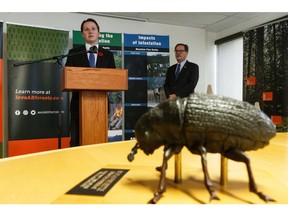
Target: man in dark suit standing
{"type": "Point", "coordinates": [181, 78]}
{"type": "Point", "coordinates": [99, 58]}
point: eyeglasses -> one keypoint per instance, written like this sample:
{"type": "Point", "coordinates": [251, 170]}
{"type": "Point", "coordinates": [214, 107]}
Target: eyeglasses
{"type": "Point", "coordinates": [179, 51]}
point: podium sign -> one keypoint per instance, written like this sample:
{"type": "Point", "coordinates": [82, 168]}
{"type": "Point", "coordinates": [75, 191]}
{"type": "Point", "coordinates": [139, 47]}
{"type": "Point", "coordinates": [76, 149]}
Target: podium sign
{"type": "Point", "coordinates": [93, 85]}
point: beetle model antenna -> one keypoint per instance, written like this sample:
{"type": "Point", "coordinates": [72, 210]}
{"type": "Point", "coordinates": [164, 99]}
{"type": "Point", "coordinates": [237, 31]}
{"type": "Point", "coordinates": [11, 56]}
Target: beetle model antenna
{"type": "Point", "coordinates": [133, 152]}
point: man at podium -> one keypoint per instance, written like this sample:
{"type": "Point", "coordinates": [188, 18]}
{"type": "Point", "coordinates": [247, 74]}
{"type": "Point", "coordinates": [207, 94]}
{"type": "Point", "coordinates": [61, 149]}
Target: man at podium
{"type": "Point", "coordinates": [89, 54]}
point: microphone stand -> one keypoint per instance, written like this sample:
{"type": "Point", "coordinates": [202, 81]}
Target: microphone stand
{"type": "Point", "coordinates": [59, 59]}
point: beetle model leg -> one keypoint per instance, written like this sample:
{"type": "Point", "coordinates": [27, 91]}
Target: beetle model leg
{"type": "Point", "coordinates": [133, 152]}
{"type": "Point", "coordinates": [168, 153]}
{"type": "Point", "coordinates": [207, 180]}
{"type": "Point", "coordinates": [240, 156]}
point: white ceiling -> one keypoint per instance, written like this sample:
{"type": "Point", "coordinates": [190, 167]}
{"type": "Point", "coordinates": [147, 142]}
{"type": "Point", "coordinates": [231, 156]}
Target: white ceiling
{"type": "Point", "coordinates": [210, 21]}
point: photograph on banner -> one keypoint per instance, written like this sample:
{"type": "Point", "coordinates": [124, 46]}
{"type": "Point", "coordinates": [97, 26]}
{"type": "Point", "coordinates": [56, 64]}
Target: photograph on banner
{"type": "Point", "coordinates": [112, 42]}
{"type": "Point", "coordinates": [36, 104]}
{"type": "Point", "coordinates": [157, 65]}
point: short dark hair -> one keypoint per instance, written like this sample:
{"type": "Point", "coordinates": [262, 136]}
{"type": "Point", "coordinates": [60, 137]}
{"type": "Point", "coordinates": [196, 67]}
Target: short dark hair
{"type": "Point", "coordinates": [185, 46]}
{"type": "Point", "coordinates": [90, 20]}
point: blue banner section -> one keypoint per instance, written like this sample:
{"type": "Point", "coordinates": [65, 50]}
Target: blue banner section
{"type": "Point", "coordinates": [147, 58]}
{"type": "Point", "coordinates": [146, 43]}
{"type": "Point", "coordinates": [129, 131]}
{"type": "Point", "coordinates": [137, 78]}
{"type": "Point", "coordinates": [133, 53]}
{"type": "Point", "coordinates": [135, 104]}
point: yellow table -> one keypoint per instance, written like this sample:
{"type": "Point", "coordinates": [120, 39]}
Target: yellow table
{"type": "Point", "coordinates": [46, 177]}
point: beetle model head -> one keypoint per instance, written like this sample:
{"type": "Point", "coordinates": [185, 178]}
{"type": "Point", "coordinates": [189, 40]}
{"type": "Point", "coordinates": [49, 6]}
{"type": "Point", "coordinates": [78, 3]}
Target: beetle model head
{"type": "Point", "coordinates": [158, 127]}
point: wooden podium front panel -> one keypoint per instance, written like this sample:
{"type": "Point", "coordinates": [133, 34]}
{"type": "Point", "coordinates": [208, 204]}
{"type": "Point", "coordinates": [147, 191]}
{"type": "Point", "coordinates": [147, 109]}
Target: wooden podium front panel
{"type": "Point", "coordinates": [78, 78]}
{"type": "Point", "coordinates": [93, 117]}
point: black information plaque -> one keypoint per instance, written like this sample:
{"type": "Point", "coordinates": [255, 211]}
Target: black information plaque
{"type": "Point", "coordinates": [99, 183]}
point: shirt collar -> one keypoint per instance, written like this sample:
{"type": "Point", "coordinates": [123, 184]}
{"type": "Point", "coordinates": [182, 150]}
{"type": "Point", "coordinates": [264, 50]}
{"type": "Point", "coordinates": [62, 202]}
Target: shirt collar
{"type": "Point", "coordinates": [89, 45]}
{"type": "Point", "coordinates": [182, 63]}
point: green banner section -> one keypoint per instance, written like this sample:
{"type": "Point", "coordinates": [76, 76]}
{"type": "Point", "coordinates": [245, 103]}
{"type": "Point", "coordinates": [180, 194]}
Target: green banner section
{"type": "Point", "coordinates": [111, 39]}
{"type": "Point", "coordinates": [30, 43]}
{"type": "Point", "coordinates": [105, 38]}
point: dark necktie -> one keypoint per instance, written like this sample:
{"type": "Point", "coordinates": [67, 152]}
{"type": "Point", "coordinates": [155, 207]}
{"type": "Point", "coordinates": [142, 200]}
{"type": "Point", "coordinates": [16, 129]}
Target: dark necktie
{"type": "Point", "coordinates": [177, 71]}
{"type": "Point", "coordinates": [91, 57]}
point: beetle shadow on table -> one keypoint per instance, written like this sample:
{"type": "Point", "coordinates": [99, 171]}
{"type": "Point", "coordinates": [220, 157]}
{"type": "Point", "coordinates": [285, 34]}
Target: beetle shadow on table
{"type": "Point", "coordinates": [195, 189]}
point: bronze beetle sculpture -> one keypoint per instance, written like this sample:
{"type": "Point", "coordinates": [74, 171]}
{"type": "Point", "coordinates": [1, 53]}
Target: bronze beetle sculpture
{"type": "Point", "coordinates": [204, 123]}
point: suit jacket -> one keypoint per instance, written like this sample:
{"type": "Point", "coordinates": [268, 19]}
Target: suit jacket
{"type": "Point", "coordinates": [186, 81]}
{"type": "Point", "coordinates": [105, 59]}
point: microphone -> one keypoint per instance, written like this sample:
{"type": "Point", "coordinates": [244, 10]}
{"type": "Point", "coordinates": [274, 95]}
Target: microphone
{"type": "Point", "coordinates": [93, 49]}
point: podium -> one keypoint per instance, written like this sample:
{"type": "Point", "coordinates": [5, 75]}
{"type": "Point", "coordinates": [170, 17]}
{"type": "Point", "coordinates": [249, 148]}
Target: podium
{"type": "Point", "coordinates": [93, 85]}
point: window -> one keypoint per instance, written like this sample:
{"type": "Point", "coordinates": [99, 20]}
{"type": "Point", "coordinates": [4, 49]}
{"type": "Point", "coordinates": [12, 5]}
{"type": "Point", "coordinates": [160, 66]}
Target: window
{"type": "Point", "coordinates": [229, 78]}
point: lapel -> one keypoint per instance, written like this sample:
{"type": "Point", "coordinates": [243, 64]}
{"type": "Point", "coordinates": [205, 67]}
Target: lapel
{"type": "Point", "coordinates": [99, 57]}
{"type": "Point", "coordinates": [185, 66]}
{"type": "Point", "coordinates": [84, 57]}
